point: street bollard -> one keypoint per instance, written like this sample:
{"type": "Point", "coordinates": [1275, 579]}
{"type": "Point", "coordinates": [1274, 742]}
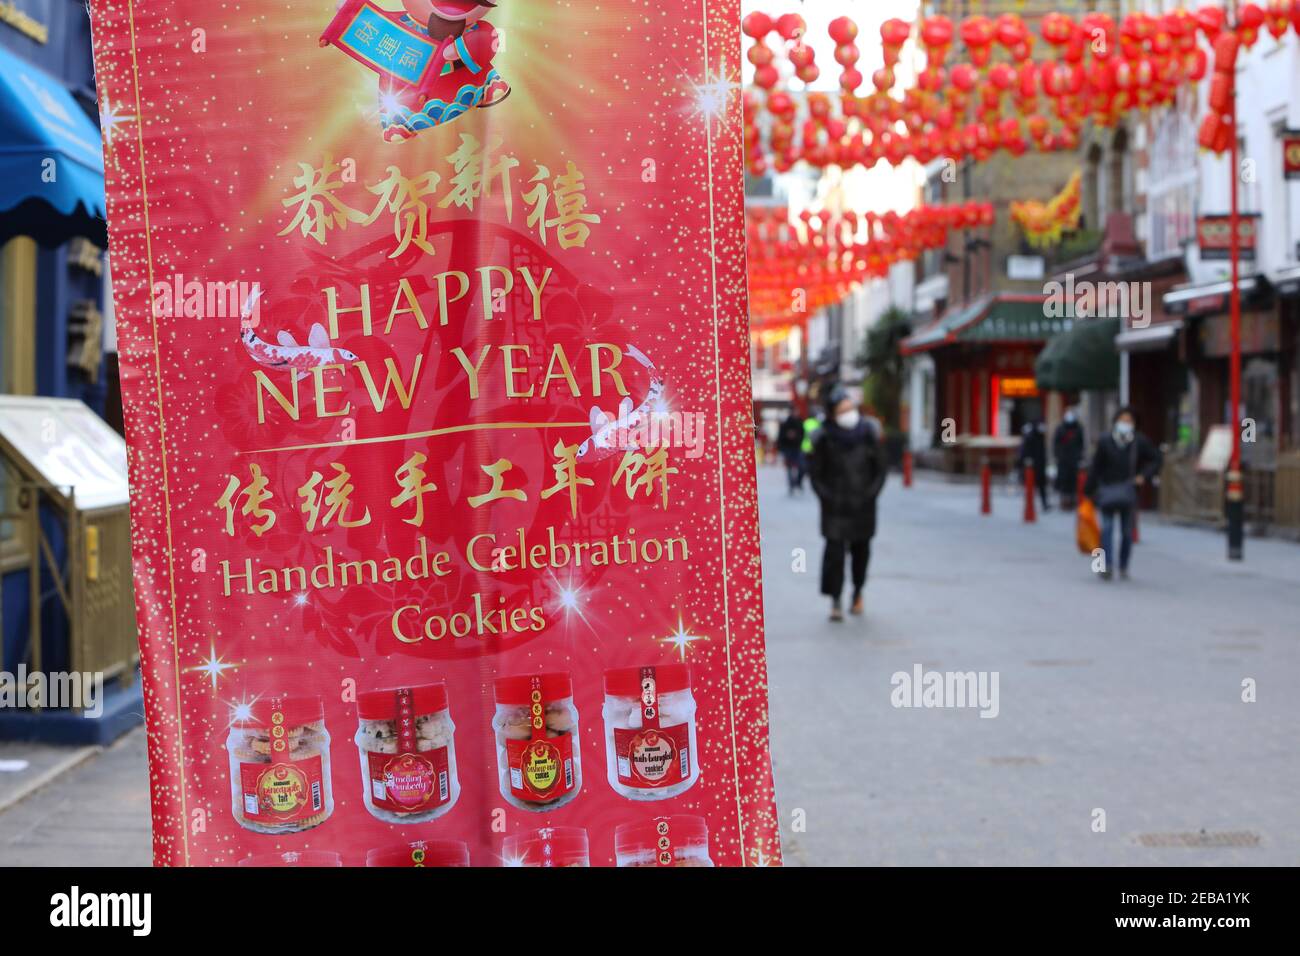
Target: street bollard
{"type": "Point", "coordinates": [907, 469]}
{"type": "Point", "coordinates": [1081, 483]}
{"type": "Point", "coordinates": [1030, 514]}
{"type": "Point", "coordinates": [986, 489]}
{"type": "Point", "coordinates": [1137, 510]}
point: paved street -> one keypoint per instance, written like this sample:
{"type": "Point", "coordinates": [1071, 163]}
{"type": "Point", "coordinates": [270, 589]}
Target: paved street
{"type": "Point", "coordinates": [1123, 696]}
{"type": "Point", "coordinates": [94, 814]}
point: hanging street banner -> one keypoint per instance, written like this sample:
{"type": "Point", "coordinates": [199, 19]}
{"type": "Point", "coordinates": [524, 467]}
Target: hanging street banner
{"type": "Point", "coordinates": [436, 367]}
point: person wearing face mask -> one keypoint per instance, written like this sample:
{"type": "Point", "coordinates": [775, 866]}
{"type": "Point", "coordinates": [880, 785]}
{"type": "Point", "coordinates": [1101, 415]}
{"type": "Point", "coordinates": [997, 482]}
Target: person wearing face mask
{"type": "Point", "coordinates": [847, 469]}
{"type": "Point", "coordinates": [1067, 449]}
{"type": "Point", "coordinates": [1124, 461]}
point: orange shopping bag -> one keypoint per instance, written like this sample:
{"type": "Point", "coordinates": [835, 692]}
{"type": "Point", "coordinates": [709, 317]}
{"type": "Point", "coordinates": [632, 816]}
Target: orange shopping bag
{"type": "Point", "coordinates": [1087, 533]}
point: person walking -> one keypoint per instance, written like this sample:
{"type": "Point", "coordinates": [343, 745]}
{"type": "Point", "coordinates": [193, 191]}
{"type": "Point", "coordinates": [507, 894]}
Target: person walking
{"type": "Point", "coordinates": [789, 443]}
{"type": "Point", "coordinates": [1033, 451]}
{"type": "Point", "coordinates": [1067, 448]}
{"type": "Point", "coordinates": [1124, 461]}
{"type": "Point", "coordinates": [847, 468]}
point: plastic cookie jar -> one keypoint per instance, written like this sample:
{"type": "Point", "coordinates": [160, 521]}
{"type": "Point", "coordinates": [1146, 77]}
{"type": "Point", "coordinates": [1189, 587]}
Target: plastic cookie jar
{"type": "Point", "coordinates": [421, 853]}
{"type": "Point", "coordinates": [293, 858]}
{"type": "Point", "coordinates": [678, 840]}
{"type": "Point", "coordinates": [408, 753]}
{"type": "Point", "coordinates": [536, 724]}
{"type": "Point", "coordinates": [549, 846]}
{"type": "Point", "coordinates": [650, 747]}
{"type": "Point", "coordinates": [280, 765]}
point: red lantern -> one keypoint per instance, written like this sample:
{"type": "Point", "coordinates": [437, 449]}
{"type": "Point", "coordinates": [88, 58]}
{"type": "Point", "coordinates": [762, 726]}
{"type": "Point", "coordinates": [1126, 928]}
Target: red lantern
{"type": "Point", "coordinates": [766, 76]}
{"type": "Point", "coordinates": [1002, 75]}
{"type": "Point", "coordinates": [843, 30]}
{"type": "Point", "coordinates": [1210, 20]}
{"type": "Point", "coordinates": [756, 25]}
{"type": "Point", "coordinates": [977, 34]}
{"type": "Point", "coordinates": [936, 37]}
{"type": "Point", "coordinates": [1221, 91]}
{"type": "Point", "coordinates": [846, 54]}
{"type": "Point", "coordinates": [791, 26]}
{"type": "Point", "coordinates": [1099, 32]}
{"type": "Point", "coordinates": [1057, 29]}
{"type": "Point", "coordinates": [964, 77]}
{"type": "Point", "coordinates": [893, 34]}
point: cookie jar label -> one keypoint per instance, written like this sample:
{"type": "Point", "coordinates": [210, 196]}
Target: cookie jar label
{"type": "Point", "coordinates": [282, 792]}
{"type": "Point", "coordinates": [408, 782]}
{"type": "Point", "coordinates": [541, 768]}
{"type": "Point", "coordinates": [652, 756]}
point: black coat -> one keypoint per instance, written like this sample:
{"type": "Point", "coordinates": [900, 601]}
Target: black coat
{"type": "Point", "coordinates": [848, 469]}
{"type": "Point", "coordinates": [1033, 447]}
{"type": "Point", "coordinates": [790, 436]}
{"type": "Point", "coordinates": [1067, 449]}
{"type": "Point", "coordinates": [1113, 464]}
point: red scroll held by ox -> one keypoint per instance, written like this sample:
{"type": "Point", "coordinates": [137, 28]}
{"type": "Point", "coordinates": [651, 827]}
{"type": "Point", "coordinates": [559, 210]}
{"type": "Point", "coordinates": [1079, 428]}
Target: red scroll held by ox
{"type": "Point", "coordinates": [435, 368]}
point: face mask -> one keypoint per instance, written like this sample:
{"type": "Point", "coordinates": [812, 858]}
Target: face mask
{"type": "Point", "coordinates": [848, 420]}
{"type": "Point", "coordinates": [1070, 418]}
{"type": "Point", "coordinates": [1124, 430]}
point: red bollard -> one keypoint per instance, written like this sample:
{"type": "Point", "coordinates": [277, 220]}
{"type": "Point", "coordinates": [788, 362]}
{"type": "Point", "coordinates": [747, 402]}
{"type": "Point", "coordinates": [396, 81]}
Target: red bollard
{"type": "Point", "coordinates": [986, 489]}
{"type": "Point", "coordinates": [907, 469]}
{"type": "Point", "coordinates": [1137, 510]}
{"type": "Point", "coordinates": [1030, 514]}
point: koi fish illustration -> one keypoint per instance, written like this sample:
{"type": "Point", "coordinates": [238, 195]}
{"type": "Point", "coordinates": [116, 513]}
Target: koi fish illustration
{"type": "Point", "coordinates": [612, 435]}
{"type": "Point", "coordinates": [290, 356]}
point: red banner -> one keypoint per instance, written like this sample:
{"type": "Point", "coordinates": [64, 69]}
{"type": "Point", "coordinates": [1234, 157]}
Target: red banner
{"type": "Point", "coordinates": [435, 361]}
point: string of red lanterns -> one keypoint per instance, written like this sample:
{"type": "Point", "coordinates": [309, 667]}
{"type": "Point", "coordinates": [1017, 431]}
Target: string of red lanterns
{"type": "Point", "coordinates": [1002, 97]}
{"type": "Point", "coordinates": [799, 266]}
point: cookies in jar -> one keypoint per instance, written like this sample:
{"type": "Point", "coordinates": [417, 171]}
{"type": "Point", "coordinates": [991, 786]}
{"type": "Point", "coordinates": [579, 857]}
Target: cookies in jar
{"type": "Point", "coordinates": [279, 754]}
{"type": "Point", "coordinates": [406, 740]}
{"type": "Point", "coordinates": [536, 725]}
{"type": "Point", "coordinates": [650, 742]}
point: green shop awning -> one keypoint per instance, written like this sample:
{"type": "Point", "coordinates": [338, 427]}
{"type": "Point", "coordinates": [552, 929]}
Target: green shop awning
{"type": "Point", "coordinates": [1005, 317]}
{"type": "Point", "coordinates": [1083, 358]}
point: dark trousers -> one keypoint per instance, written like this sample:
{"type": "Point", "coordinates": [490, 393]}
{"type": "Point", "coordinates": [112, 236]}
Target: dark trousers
{"type": "Point", "coordinates": [833, 566]}
{"type": "Point", "coordinates": [1040, 482]}
{"type": "Point", "coordinates": [1125, 536]}
{"type": "Point", "coordinates": [794, 468]}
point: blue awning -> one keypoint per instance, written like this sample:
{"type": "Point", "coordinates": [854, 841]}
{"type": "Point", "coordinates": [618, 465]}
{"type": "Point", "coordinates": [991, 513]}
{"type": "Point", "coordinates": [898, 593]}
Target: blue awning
{"type": "Point", "coordinates": [51, 161]}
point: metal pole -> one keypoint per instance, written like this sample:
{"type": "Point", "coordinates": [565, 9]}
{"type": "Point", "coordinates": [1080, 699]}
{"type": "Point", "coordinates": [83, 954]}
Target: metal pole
{"type": "Point", "coordinates": [1235, 505]}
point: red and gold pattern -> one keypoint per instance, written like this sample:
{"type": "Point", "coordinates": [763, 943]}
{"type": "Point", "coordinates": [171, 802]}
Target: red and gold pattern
{"type": "Point", "coordinates": [376, 512]}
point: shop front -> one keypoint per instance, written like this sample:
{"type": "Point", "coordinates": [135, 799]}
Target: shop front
{"type": "Point", "coordinates": [59, 562]}
{"type": "Point", "coordinates": [985, 389]}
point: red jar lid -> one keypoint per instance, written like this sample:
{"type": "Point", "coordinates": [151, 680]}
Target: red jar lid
{"type": "Point", "coordinates": [549, 846]}
{"type": "Point", "coordinates": [293, 858]}
{"type": "Point", "coordinates": [421, 853]}
{"type": "Point", "coordinates": [382, 704]}
{"type": "Point", "coordinates": [518, 690]}
{"type": "Point", "coordinates": [643, 837]}
{"type": "Point", "coordinates": [626, 681]}
{"type": "Point", "coordinates": [295, 711]}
